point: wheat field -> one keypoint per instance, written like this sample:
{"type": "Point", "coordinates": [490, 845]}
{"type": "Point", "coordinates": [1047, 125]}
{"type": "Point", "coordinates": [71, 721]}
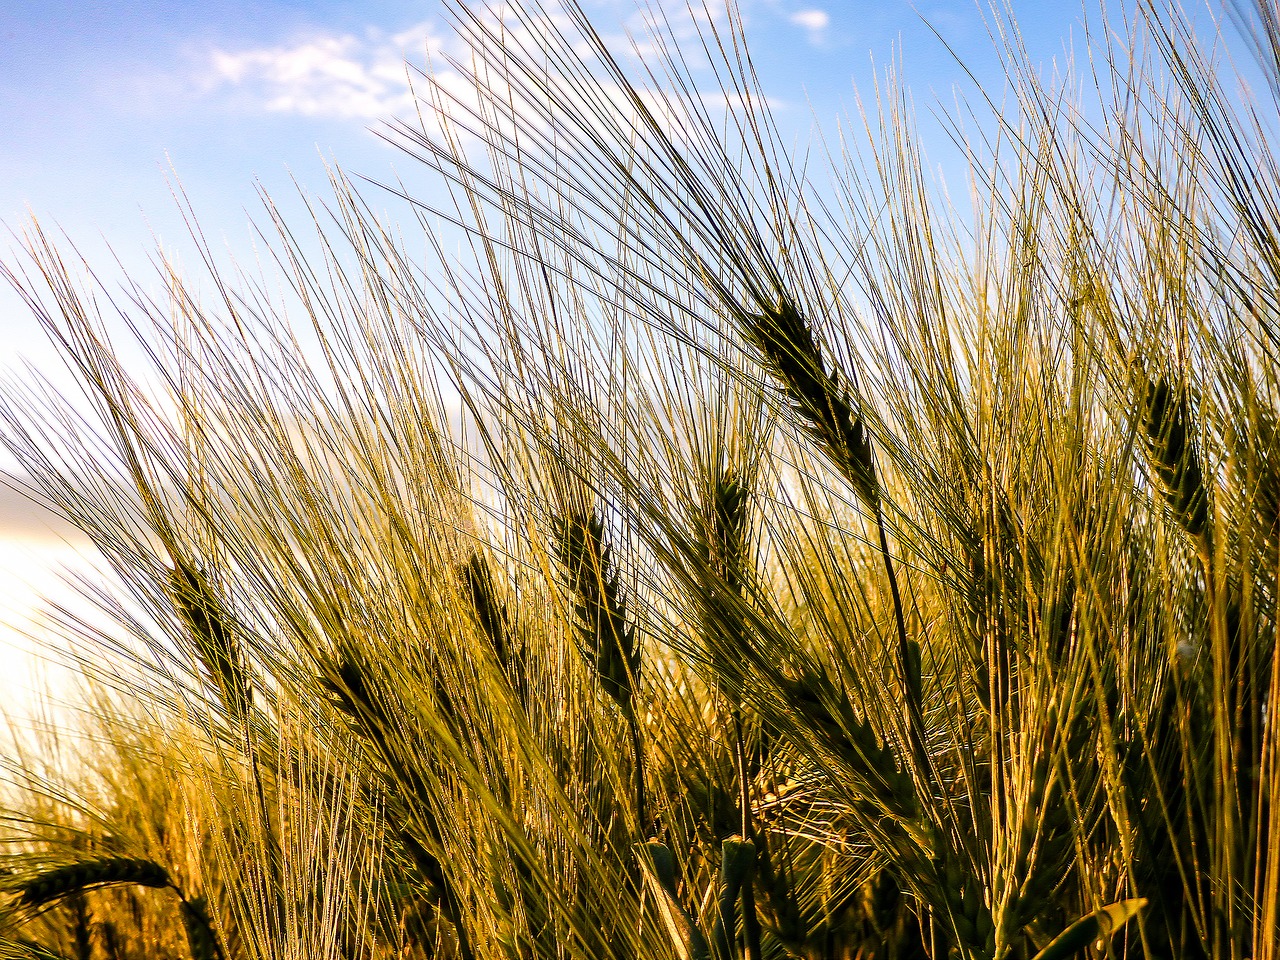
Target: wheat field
{"type": "Point", "coordinates": [697, 556]}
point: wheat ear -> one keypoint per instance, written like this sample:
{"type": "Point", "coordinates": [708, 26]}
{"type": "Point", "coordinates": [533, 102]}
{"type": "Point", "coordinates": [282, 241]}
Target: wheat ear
{"type": "Point", "coordinates": [494, 620]}
{"type": "Point", "coordinates": [1172, 455]}
{"type": "Point", "coordinates": [64, 881]}
{"type": "Point", "coordinates": [609, 641]}
{"type": "Point", "coordinates": [825, 406]}
{"type": "Point", "coordinates": [216, 646]}
{"type": "Point", "coordinates": [68, 882]}
{"type": "Point", "coordinates": [721, 541]}
{"type": "Point", "coordinates": [851, 745]}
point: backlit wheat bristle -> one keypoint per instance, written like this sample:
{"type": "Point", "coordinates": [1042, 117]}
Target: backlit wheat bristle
{"type": "Point", "coordinates": [31, 950]}
{"type": "Point", "coordinates": [602, 459]}
{"type": "Point", "coordinates": [1256, 462]}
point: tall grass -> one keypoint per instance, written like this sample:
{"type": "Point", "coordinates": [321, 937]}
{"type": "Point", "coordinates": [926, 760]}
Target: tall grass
{"type": "Point", "coordinates": [820, 571]}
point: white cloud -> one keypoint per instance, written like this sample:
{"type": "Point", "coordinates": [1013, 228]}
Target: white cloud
{"type": "Point", "coordinates": [814, 21]}
{"type": "Point", "coordinates": [363, 77]}
{"type": "Point", "coordinates": [339, 76]}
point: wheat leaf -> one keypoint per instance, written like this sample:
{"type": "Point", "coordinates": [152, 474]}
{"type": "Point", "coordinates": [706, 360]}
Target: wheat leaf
{"type": "Point", "coordinates": [1099, 925]}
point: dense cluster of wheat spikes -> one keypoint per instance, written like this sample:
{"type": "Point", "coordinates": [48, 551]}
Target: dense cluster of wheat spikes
{"type": "Point", "coordinates": [815, 569]}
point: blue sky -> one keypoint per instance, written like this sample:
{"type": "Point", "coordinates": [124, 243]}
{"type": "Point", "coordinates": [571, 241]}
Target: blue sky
{"type": "Point", "coordinates": [104, 102]}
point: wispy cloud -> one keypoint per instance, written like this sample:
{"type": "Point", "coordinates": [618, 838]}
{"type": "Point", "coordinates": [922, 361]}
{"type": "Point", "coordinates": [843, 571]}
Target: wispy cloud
{"type": "Point", "coordinates": [364, 77]}
{"type": "Point", "coordinates": [340, 76]}
{"type": "Point", "coordinates": [814, 20]}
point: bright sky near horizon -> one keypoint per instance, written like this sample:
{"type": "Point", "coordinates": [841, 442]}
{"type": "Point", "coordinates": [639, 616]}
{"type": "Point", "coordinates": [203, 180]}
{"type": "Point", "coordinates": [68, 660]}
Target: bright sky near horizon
{"type": "Point", "coordinates": [104, 102]}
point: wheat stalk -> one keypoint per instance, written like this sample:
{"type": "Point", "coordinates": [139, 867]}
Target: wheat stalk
{"type": "Point", "coordinates": [201, 937]}
{"type": "Point", "coordinates": [826, 408]}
